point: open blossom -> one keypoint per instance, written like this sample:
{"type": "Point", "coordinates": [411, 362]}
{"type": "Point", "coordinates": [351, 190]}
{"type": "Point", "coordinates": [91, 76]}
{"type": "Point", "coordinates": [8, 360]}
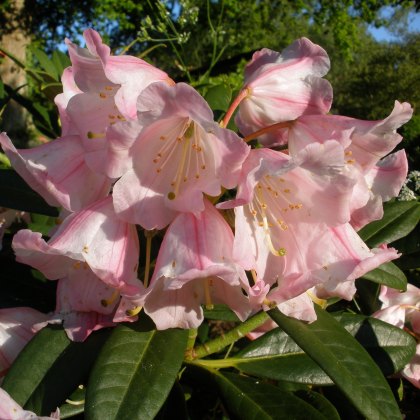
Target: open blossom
{"type": "Point", "coordinates": [283, 86]}
{"type": "Point", "coordinates": [292, 223]}
{"type": "Point", "coordinates": [95, 236]}
{"type": "Point", "coordinates": [108, 90]}
{"type": "Point", "coordinates": [179, 155]}
{"type": "Point", "coordinates": [58, 172]}
{"type": "Point", "coordinates": [403, 311]}
{"type": "Point", "coordinates": [17, 327]}
{"type": "Point", "coordinates": [195, 267]}
{"type": "Point", "coordinates": [367, 144]}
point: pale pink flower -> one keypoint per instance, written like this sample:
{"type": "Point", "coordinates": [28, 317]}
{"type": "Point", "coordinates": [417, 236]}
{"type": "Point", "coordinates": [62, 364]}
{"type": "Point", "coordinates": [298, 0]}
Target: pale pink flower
{"type": "Point", "coordinates": [11, 410]}
{"type": "Point", "coordinates": [58, 172]}
{"type": "Point", "coordinates": [194, 267]}
{"type": "Point", "coordinates": [402, 309]}
{"type": "Point", "coordinates": [108, 245]}
{"type": "Point", "coordinates": [292, 222]}
{"type": "Point", "coordinates": [86, 304]}
{"type": "Point", "coordinates": [366, 143]}
{"type": "Point", "coordinates": [284, 86]}
{"type": "Point", "coordinates": [109, 87]}
{"type": "Point", "coordinates": [180, 154]}
{"type": "Point", "coordinates": [17, 327]}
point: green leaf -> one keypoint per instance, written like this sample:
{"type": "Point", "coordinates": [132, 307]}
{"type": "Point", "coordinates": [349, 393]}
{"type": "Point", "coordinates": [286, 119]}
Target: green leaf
{"type": "Point", "coordinates": [389, 275]}
{"type": "Point", "coordinates": [134, 372]}
{"type": "Point", "coordinates": [45, 62]}
{"type": "Point", "coordinates": [60, 61]}
{"type": "Point", "coordinates": [252, 399]}
{"type": "Point", "coordinates": [322, 404]}
{"type": "Point", "coordinates": [400, 218]}
{"type": "Point", "coordinates": [219, 97]}
{"type": "Point", "coordinates": [41, 223]}
{"type": "Point", "coordinates": [50, 367]}
{"type": "Point", "coordinates": [276, 355]}
{"type": "Point", "coordinates": [75, 404]}
{"type": "Point", "coordinates": [16, 194]}
{"type": "Point", "coordinates": [345, 361]}
{"type": "Point", "coordinates": [221, 313]}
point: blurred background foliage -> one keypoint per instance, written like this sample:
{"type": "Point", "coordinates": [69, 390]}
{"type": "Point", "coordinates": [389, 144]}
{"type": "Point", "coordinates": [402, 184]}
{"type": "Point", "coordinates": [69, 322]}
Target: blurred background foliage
{"type": "Point", "coordinates": [208, 43]}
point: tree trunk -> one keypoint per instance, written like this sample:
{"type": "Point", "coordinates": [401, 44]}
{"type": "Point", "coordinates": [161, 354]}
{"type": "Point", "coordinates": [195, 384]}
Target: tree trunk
{"type": "Point", "coordinates": [15, 120]}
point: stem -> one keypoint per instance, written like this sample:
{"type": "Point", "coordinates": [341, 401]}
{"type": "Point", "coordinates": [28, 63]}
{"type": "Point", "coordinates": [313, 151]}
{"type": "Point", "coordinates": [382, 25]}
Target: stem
{"type": "Point", "coordinates": [192, 335]}
{"type": "Point", "coordinates": [270, 128]}
{"type": "Point", "coordinates": [125, 49]}
{"type": "Point", "coordinates": [233, 335]}
{"type": "Point", "coordinates": [242, 95]}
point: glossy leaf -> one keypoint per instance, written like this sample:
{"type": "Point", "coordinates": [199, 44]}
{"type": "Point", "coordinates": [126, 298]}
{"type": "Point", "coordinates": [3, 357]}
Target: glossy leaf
{"type": "Point", "coordinates": [75, 404]}
{"type": "Point", "coordinates": [345, 361]}
{"type": "Point", "coordinates": [275, 355]}
{"type": "Point", "coordinates": [134, 372]}
{"type": "Point", "coordinates": [16, 194]}
{"type": "Point", "coordinates": [389, 275]}
{"type": "Point", "coordinates": [50, 367]}
{"type": "Point", "coordinates": [319, 402]}
{"type": "Point", "coordinates": [400, 218]}
{"type": "Point", "coordinates": [252, 399]}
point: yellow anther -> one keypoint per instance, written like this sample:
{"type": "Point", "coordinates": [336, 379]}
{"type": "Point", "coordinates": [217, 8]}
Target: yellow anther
{"type": "Point", "coordinates": [133, 312]}
{"type": "Point", "coordinates": [92, 135]}
{"type": "Point", "coordinates": [102, 95]}
{"type": "Point", "coordinates": [171, 195]}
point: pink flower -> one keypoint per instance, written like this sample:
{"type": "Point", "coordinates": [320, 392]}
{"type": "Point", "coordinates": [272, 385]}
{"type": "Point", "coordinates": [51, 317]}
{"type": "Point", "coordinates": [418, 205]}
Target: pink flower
{"type": "Point", "coordinates": [17, 327]}
{"type": "Point", "coordinates": [109, 87]}
{"type": "Point", "coordinates": [366, 143]}
{"type": "Point", "coordinates": [403, 310]}
{"type": "Point", "coordinates": [58, 172]}
{"type": "Point", "coordinates": [11, 410]}
{"type": "Point", "coordinates": [284, 86]}
{"type": "Point", "coordinates": [292, 222]}
{"type": "Point", "coordinates": [109, 246]}
{"type": "Point", "coordinates": [86, 304]}
{"type": "Point", "coordinates": [180, 154]}
{"type": "Point", "coordinates": [194, 267]}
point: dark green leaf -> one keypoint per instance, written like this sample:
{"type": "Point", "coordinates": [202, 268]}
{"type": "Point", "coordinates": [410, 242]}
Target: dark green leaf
{"type": "Point", "coordinates": [219, 97]}
{"type": "Point", "coordinates": [319, 402]}
{"type": "Point", "coordinates": [75, 404]}
{"type": "Point", "coordinates": [50, 367]}
{"type": "Point", "coordinates": [175, 403]}
{"type": "Point", "coordinates": [389, 275]}
{"type": "Point", "coordinates": [345, 361]}
{"type": "Point", "coordinates": [134, 372]}
{"type": "Point", "coordinates": [400, 218]}
{"type": "Point", "coordinates": [253, 399]}
{"type": "Point", "coordinates": [16, 194]}
{"type": "Point", "coordinates": [275, 355]}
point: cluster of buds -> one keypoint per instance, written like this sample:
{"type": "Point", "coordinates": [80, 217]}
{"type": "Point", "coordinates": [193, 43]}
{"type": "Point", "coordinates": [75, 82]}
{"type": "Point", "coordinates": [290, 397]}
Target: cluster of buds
{"type": "Point", "coordinates": [141, 152]}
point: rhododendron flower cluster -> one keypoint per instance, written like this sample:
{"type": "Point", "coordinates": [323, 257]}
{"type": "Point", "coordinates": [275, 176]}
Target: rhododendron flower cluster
{"type": "Point", "coordinates": [249, 227]}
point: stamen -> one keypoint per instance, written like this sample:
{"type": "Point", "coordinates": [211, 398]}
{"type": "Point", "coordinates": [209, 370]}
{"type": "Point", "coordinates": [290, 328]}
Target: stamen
{"type": "Point", "coordinates": [92, 135]}
{"type": "Point", "coordinates": [207, 296]}
{"type": "Point", "coordinates": [135, 311]}
{"type": "Point", "coordinates": [106, 302]}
